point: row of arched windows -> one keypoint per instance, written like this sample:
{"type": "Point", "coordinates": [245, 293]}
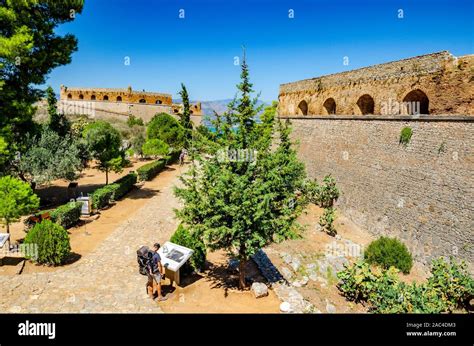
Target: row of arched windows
{"type": "Point", "coordinates": [106, 98]}
{"type": "Point", "coordinates": [415, 102]}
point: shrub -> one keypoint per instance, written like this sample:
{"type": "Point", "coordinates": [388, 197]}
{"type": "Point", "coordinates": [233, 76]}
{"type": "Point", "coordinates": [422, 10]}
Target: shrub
{"type": "Point", "coordinates": [323, 195]}
{"type": "Point", "coordinates": [328, 192]}
{"type": "Point", "coordinates": [52, 242]}
{"type": "Point", "coordinates": [327, 221]}
{"type": "Point", "coordinates": [150, 170]}
{"type": "Point", "coordinates": [173, 156]}
{"type": "Point", "coordinates": [388, 252]}
{"type": "Point", "coordinates": [67, 215]}
{"type": "Point", "coordinates": [185, 238]}
{"type": "Point", "coordinates": [103, 196]}
{"type": "Point", "coordinates": [453, 282]}
{"type": "Point", "coordinates": [405, 136]}
{"type": "Point", "coordinates": [449, 287]}
{"type": "Point", "coordinates": [124, 185]}
{"type": "Point", "coordinates": [133, 120]}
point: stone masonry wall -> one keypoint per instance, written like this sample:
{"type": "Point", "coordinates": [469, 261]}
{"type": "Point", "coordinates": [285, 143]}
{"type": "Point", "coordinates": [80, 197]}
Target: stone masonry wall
{"type": "Point", "coordinates": [422, 193]}
{"type": "Point", "coordinates": [447, 82]}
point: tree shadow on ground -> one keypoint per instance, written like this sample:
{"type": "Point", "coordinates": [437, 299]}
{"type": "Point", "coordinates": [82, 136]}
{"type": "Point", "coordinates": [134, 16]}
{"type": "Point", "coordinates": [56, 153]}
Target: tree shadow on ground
{"type": "Point", "coordinates": [221, 276]}
{"type": "Point", "coordinates": [189, 278]}
{"type": "Point", "coordinates": [142, 193]}
{"type": "Point", "coordinates": [52, 196]}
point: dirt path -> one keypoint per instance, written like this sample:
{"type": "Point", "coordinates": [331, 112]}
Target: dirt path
{"type": "Point", "coordinates": [106, 279]}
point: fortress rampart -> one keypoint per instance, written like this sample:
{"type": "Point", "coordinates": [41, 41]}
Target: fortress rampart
{"type": "Point", "coordinates": [437, 83]}
{"type": "Point", "coordinates": [121, 103]}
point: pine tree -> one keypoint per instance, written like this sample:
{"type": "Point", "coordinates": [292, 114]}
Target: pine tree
{"type": "Point", "coordinates": [246, 195]}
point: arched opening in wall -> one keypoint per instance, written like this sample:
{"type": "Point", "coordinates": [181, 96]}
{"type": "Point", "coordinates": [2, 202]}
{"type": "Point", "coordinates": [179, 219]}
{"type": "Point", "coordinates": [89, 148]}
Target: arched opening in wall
{"type": "Point", "coordinates": [191, 112]}
{"type": "Point", "coordinates": [105, 98]}
{"type": "Point", "coordinates": [416, 102]}
{"type": "Point", "coordinates": [158, 102]}
{"type": "Point", "coordinates": [330, 106]}
{"type": "Point", "coordinates": [366, 104]}
{"type": "Point", "coordinates": [69, 96]}
{"type": "Point", "coordinates": [175, 110]}
{"type": "Point", "coordinates": [93, 97]}
{"type": "Point", "coordinates": [142, 101]}
{"type": "Point", "coordinates": [119, 98]}
{"type": "Point", "coordinates": [303, 108]}
{"type": "Point", "coordinates": [81, 97]}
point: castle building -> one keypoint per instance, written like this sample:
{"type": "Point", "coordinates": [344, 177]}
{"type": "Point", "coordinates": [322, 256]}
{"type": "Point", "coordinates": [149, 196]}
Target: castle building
{"type": "Point", "coordinates": [121, 103]}
{"type": "Point", "coordinates": [437, 83]}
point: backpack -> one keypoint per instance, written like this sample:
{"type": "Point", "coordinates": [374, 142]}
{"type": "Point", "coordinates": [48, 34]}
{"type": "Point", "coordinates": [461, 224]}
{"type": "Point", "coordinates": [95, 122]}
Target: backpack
{"type": "Point", "coordinates": [143, 259]}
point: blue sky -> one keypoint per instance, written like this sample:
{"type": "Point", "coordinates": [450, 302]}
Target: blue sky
{"type": "Point", "coordinates": [199, 50]}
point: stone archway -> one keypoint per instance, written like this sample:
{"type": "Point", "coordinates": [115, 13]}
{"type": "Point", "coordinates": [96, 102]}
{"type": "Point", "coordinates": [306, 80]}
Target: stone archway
{"type": "Point", "coordinates": [119, 99]}
{"type": "Point", "coordinates": [81, 97]}
{"type": "Point", "coordinates": [302, 108]}
{"type": "Point", "coordinates": [142, 101]}
{"type": "Point", "coordinates": [92, 97]}
{"type": "Point", "coordinates": [366, 104]}
{"type": "Point", "coordinates": [416, 102]}
{"type": "Point", "coordinates": [69, 96]}
{"type": "Point", "coordinates": [330, 106]}
{"type": "Point", "coordinates": [105, 98]}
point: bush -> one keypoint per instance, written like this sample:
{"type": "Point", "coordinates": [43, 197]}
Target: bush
{"type": "Point", "coordinates": [52, 242]}
{"type": "Point", "coordinates": [124, 185]}
{"type": "Point", "coordinates": [103, 196]}
{"type": "Point", "coordinates": [388, 252]}
{"type": "Point", "coordinates": [323, 195]}
{"type": "Point", "coordinates": [185, 238]}
{"type": "Point", "coordinates": [150, 170]}
{"type": "Point", "coordinates": [450, 287]}
{"type": "Point", "coordinates": [327, 221]}
{"type": "Point", "coordinates": [67, 215]}
{"type": "Point", "coordinates": [133, 120]}
{"type": "Point", "coordinates": [453, 282]}
{"type": "Point", "coordinates": [173, 156]}
{"type": "Point", "coordinates": [328, 192]}
{"type": "Point", "coordinates": [405, 136]}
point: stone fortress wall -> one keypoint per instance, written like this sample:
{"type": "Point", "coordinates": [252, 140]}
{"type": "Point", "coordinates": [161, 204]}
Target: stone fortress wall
{"type": "Point", "coordinates": [437, 83]}
{"type": "Point", "coordinates": [121, 103]}
{"type": "Point", "coordinates": [421, 193]}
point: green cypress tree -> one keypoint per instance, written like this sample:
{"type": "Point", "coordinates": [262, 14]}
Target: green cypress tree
{"type": "Point", "coordinates": [246, 195]}
{"type": "Point", "coordinates": [185, 117]}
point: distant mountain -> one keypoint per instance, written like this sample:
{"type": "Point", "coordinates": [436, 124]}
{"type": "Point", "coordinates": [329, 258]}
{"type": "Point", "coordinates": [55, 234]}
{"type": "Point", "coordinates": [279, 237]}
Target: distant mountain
{"type": "Point", "coordinates": [220, 106]}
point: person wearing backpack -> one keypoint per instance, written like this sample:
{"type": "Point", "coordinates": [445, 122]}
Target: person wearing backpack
{"type": "Point", "coordinates": [155, 272]}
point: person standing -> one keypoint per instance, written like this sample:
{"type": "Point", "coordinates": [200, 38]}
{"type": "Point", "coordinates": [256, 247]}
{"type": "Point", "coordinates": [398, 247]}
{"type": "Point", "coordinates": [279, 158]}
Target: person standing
{"type": "Point", "coordinates": [155, 273]}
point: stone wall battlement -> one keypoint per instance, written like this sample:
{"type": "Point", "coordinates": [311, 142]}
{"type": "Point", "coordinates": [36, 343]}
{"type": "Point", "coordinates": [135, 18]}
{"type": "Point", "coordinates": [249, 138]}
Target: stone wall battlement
{"type": "Point", "coordinates": [437, 83]}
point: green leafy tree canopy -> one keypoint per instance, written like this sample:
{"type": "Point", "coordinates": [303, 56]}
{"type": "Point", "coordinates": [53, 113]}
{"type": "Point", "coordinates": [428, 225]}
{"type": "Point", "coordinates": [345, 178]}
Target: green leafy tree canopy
{"type": "Point", "coordinates": [166, 128]}
{"type": "Point", "coordinates": [16, 199]}
{"type": "Point", "coordinates": [155, 147]}
{"type": "Point", "coordinates": [29, 49]}
{"type": "Point", "coordinates": [105, 145]}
